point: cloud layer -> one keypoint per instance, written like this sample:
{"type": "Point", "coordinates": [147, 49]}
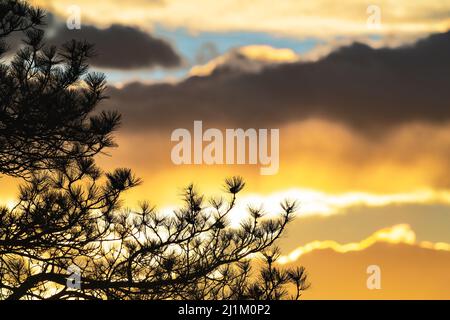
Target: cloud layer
{"type": "Point", "coordinates": [342, 271]}
{"type": "Point", "coordinates": [323, 18]}
{"type": "Point", "coordinates": [365, 88]}
{"type": "Point", "coordinates": [401, 233]}
{"type": "Point", "coordinates": [407, 272]}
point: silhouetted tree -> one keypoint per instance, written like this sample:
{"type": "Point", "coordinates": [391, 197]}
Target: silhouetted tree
{"type": "Point", "coordinates": [45, 112]}
{"type": "Point", "coordinates": [68, 213]}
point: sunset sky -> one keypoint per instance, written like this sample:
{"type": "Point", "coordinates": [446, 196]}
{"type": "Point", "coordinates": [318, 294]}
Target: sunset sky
{"type": "Point", "coordinates": [363, 111]}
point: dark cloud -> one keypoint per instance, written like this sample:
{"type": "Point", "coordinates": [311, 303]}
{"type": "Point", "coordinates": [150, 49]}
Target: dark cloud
{"type": "Point", "coordinates": [122, 47]}
{"type": "Point", "coordinates": [370, 89]}
{"type": "Point", "coordinates": [117, 47]}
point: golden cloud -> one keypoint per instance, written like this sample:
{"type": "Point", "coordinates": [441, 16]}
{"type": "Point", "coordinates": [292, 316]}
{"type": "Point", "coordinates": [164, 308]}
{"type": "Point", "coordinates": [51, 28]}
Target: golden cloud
{"type": "Point", "coordinates": [322, 18]}
{"type": "Point", "coordinates": [247, 58]}
{"type": "Point", "coordinates": [398, 234]}
{"type": "Point", "coordinates": [408, 269]}
{"type": "Point", "coordinates": [327, 164]}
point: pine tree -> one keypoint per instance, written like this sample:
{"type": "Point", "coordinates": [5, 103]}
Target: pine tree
{"type": "Point", "coordinates": [68, 215]}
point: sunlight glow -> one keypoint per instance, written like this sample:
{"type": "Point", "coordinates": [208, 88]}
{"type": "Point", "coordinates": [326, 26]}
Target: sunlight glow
{"type": "Point", "coordinates": [313, 202]}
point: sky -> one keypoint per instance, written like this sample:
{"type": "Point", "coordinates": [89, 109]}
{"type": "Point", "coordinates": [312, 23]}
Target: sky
{"type": "Point", "coordinates": [358, 91]}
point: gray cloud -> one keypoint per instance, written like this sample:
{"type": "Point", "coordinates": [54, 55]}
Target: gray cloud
{"type": "Point", "coordinates": [117, 47]}
{"type": "Point", "coordinates": [122, 47]}
{"type": "Point", "coordinates": [369, 89]}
